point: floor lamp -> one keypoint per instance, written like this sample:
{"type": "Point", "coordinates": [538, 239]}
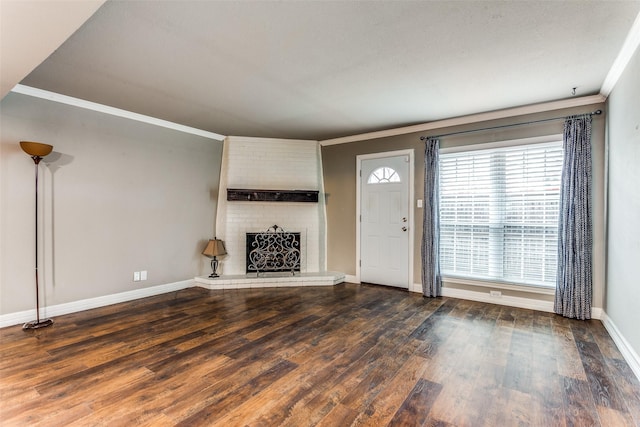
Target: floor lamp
{"type": "Point", "coordinates": [37, 151]}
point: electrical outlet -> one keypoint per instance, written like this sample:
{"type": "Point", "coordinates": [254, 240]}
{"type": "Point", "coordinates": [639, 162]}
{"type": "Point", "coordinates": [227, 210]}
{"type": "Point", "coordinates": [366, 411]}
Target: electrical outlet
{"type": "Point", "coordinates": [143, 275]}
{"type": "Point", "coordinates": [136, 276]}
{"type": "Point", "coordinates": [495, 294]}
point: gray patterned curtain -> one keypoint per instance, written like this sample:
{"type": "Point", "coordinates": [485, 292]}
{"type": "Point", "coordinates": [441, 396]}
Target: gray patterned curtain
{"type": "Point", "coordinates": [431, 281]}
{"type": "Point", "coordinates": [574, 276]}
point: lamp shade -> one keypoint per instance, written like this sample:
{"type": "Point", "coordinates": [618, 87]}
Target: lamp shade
{"type": "Point", "coordinates": [36, 148]}
{"type": "Point", "coordinates": [215, 247]}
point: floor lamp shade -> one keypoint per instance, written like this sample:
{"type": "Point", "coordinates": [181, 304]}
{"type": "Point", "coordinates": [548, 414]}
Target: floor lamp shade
{"type": "Point", "coordinates": [215, 248]}
{"type": "Point", "coordinates": [37, 151]}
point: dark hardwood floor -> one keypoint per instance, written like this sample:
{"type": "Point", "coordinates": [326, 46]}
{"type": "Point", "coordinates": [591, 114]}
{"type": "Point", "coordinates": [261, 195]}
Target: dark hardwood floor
{"type": "Point", "coordinates": [333, 356]}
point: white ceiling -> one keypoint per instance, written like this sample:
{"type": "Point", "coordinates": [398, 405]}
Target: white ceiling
{"type": "Point", "coordinates": [27, 35]}
{"type": "Point", "coordinates": [321, 69]}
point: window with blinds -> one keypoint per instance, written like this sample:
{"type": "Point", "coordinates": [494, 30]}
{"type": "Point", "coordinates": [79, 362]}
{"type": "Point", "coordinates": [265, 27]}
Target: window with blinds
{"type": "Point", "coordinates": [499, 213]}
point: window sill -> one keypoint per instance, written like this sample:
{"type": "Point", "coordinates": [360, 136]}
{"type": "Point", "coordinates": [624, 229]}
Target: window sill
{"type": "Point", "coordinates": [534, 289]}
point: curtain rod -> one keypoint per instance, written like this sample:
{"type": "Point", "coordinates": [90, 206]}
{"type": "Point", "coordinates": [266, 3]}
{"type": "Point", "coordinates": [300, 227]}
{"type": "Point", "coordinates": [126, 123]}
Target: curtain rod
{"type": "Point", "coordinates": [423, 138]}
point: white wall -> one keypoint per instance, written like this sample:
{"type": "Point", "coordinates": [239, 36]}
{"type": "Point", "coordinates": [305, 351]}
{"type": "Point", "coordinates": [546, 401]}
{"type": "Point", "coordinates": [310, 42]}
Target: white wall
{"type": "Point", "coordinates": [623, 242]}
{"type": "Point", "coordinates": [271, 164]}
{"type": "Point", "coordinates": [118, 196]}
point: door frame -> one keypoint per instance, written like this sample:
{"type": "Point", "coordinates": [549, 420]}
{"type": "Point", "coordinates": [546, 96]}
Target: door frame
{"type": "Point", "coordinates": [359, 159]}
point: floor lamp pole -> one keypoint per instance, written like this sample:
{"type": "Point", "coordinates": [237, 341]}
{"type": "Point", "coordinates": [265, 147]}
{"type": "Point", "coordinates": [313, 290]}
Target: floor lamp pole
{"type": "Point", "coordinates": [37, 150]}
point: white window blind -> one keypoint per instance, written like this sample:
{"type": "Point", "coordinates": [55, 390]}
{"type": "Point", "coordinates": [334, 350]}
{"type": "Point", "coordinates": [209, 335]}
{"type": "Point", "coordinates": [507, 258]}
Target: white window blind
{"type": "Point", "coordinates": [499, 213]}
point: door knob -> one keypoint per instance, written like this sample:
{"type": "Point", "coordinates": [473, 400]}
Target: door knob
{"type": "Point", "coordinates": [404, 228]}
{"type": "Point", "coordinates": [404, 219]}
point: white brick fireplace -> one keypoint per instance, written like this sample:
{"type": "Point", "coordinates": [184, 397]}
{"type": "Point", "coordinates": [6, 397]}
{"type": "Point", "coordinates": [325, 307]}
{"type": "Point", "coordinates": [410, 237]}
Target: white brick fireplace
{"type": "Point", "coordinates": [271, 164]}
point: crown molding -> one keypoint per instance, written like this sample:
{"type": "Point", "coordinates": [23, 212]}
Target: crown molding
{"type": "Point", "coordinates": [629, 47]}
{"type": "Point", "coordinates": [473, 118]}
{"type": "Point", "coordinates": [93, 106]}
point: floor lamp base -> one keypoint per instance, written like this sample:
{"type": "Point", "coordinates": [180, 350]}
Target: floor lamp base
{"type": "Point", "coordinates": [38, 324]}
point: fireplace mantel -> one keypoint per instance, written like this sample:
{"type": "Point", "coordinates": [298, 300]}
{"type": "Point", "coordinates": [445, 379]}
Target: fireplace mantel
{"type": "Point", "coordinates": [253, 195]}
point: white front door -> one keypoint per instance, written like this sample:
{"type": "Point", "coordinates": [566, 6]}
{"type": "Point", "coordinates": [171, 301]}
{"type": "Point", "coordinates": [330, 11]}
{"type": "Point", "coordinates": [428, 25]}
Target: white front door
{"type": "Point", "coordinates": [384, 225]}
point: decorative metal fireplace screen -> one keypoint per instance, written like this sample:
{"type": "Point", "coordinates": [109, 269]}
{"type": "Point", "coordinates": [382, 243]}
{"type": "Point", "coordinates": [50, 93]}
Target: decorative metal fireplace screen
{"type": "Point", "coordinates": [274, 250]}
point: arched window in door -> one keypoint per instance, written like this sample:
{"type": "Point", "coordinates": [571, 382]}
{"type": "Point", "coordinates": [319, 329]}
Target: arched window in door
{"type": "Point", "coordinates": [383, 175]}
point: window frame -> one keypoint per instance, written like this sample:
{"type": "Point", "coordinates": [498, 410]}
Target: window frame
{"type": "Point", "coordinates": [494, 282]}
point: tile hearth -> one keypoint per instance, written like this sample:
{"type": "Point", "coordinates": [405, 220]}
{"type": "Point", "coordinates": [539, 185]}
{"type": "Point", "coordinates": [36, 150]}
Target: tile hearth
{"type": "Point", "coordinates": [241, 281]}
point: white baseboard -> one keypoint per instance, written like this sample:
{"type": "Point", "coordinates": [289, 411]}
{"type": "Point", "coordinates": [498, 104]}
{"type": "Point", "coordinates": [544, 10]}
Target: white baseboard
{"type": "Point", "coordinates": [351, 279]}
{"type": "Point", "coordinates": [416, 287]}
{"type": "Point", "coordinates": [629, 354]}
{"type": "Point", "coordinates": [529, 303]}
{"type": "Point", "coordinates": [520, 302]}
{"type": "Point", "coordinates": [597, 313]}
{"type": "Point", "coordinates": [87, 304]}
